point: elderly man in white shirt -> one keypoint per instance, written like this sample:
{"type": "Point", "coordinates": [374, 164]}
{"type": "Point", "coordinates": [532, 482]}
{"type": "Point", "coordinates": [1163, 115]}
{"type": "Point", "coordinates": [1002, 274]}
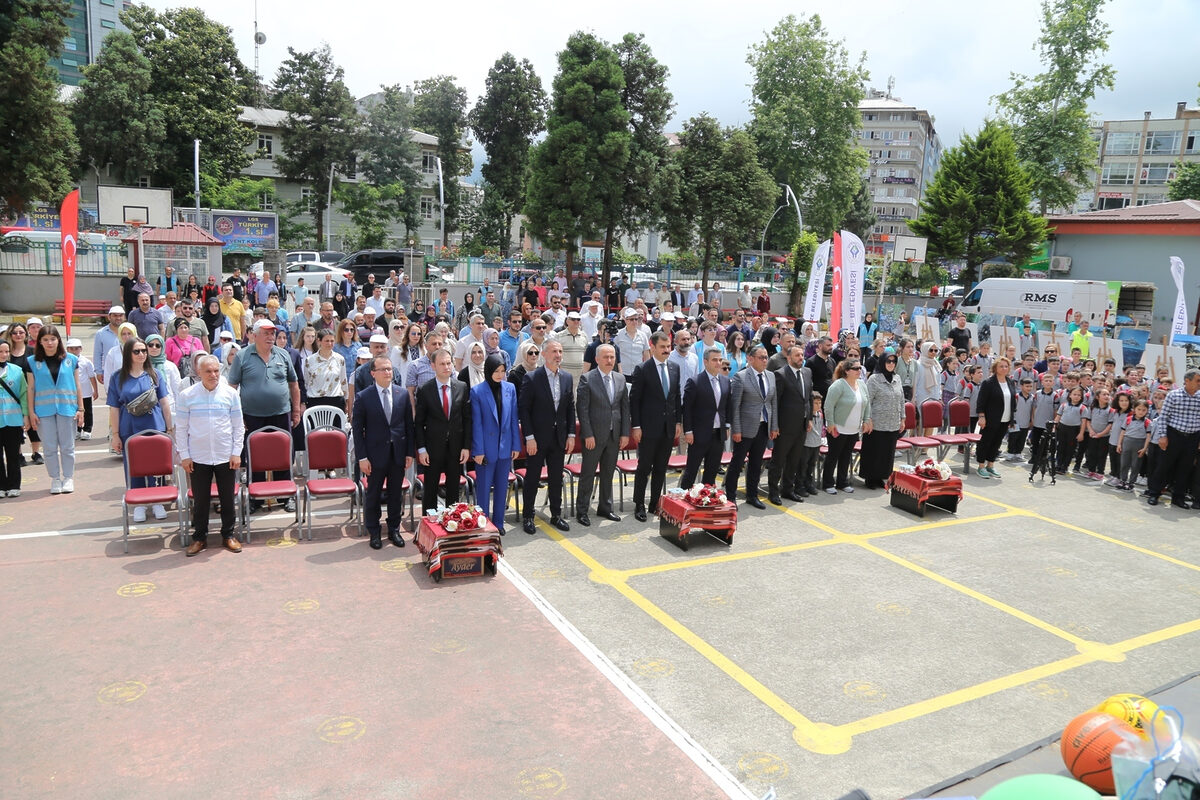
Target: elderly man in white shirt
{"type": "Point", "coordinates": [208, 435]}
{"type": "Point", "coordinates": [591, 314]}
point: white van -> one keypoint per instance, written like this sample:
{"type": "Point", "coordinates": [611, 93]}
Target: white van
{"type": "Point", "coordinates": [1055, 301]}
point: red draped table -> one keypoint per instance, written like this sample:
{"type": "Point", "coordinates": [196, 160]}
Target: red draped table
{"type": "Point", "coordinates": [459, 554]}
{"type": "Point", "coordinates": [678, 519]}
{"type": "Point", "coordinates": [914, 494]}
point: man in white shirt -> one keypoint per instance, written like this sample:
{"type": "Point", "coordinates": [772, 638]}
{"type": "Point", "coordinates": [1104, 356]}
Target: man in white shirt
{"type": "Point", "coordinates": [632, 295]}
{"type": "Point", "coordinates": [574, 343]}
{"type": "Point", "coordinates": [208, 435]}
{"type": "Point", "coordinates": [167, 309]}
{"type": "Point", "coordinates": [745, 300]}
{"type": "Point", "coordinates": [375, 301]}
{"type": "Point", "coordinates": [631, 343]}
{"type": "Point", "coordinates": [683, 356]}
{"type": "Point", "coordinates": [477, 326]}
{"type": "Point", "coordinates": [558, 310]}
{"type": "Point", "coordinates": [592, 314]}
{"type": "Point", "coordinates": [663, 297]}
{"type": "Point", "coordinates": [650, 295]}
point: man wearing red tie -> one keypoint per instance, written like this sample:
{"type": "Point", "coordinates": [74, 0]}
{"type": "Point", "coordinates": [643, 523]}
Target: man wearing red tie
{"type": "Point", "coordinates": [443, 426]}
{"type": "Point", "coordinates": [383, 437]}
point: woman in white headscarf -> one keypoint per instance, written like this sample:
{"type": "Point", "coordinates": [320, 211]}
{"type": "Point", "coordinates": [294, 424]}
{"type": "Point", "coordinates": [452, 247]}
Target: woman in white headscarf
{"type": "Point", "coordinates": [472, 371]}
{"type": "Point", "coordinates": [927, 382]}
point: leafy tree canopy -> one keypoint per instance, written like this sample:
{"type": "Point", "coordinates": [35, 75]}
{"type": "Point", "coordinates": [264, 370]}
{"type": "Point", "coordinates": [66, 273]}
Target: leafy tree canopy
{"type": "Point", "coordinates": [389, 153]}
{"type": "Point", "coordinates": [440, 109]}
{"type": "Point", "coordinates": [1186, 185]}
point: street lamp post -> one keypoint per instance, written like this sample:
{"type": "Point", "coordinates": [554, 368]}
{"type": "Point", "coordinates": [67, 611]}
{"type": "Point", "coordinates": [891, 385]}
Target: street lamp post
{"type": "Point", "coordinates": [788, 195]}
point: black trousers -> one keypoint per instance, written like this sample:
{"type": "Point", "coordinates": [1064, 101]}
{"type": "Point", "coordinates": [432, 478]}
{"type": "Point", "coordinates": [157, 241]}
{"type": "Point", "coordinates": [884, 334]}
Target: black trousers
{"type": "Point", "coordinates": [749, 453]}
{"type": "Point", "coordinates": [551, 456]}
{"type": "Point", "coordinates": [1016, 441]}
{"type": "Point", "coordinates": [709, 454]}
{"type": "Point", "coordinates": [87, 415]}
{"type": "Point", "coordinates": [203, 476]}
{"type": "Point", "coordinates": [653, 453]}
{"type": "Point", "coordinates": [987, 449]}
{"type": "Point", "coordinates": [1175, 464]}
{"type": "Point", "coordinates": [253, 423]}
{"type": "Point", "coordinates": [837, 459]}
{"type": "Point", "coordinates": [877, 456]}
{"type": "Point", "coordinates": [808, 463]}
{"type": "Point", "coordinates": [784, 470]}
{"type": "Point", "coordinates": [441, 463]}
{"type": "Point", "coordinates": [10, 457]}
{"type": "Point", "coordinates": [391, 471]}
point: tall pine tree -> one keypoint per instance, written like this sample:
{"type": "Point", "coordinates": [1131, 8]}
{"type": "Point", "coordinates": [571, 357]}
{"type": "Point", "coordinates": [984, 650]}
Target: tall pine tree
{"type": "Point", "coordinates": [440, 109]}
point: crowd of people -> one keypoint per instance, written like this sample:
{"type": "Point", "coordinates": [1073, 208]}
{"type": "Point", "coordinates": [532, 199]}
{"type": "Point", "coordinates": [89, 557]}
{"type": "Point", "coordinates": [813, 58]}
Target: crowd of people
{"type": "Point", "coordinates": [523, 376]}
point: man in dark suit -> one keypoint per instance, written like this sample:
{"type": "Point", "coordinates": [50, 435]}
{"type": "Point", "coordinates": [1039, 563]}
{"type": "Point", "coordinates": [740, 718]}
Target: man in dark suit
{"type": "Point", "coordinates": [793, 389]}
{"type": "Point", "coordinates": [547, 409]}
{"type": "Point", "coordinates": [383, 438]}
{"type": "Point", "coordinates": [706, 399]}
{"type": "Point", "coordinates": [443, 423]}
{"type": "Point", "coordinates": [603, 404]}
{"type": "Point", "coordinates": [678, 299]}
{"type": "Point", "coordinates": [753, 421]}
{"type": "Point", "coordinates": [654, 410]}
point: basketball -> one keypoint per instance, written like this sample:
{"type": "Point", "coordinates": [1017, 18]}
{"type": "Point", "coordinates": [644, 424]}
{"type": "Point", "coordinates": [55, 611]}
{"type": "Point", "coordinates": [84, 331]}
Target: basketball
{"type": "Point", "coordinates": [1132, 709]}
{"type": "Point", "coordinates": [1087, 746]}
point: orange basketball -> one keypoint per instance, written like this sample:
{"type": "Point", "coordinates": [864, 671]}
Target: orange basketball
{"type": "Point", "coordinates": [1087, 746]}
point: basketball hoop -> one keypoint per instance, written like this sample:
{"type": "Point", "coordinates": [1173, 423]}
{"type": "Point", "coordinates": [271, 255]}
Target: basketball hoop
{"type": "Point", "coordinates": [914, 267]}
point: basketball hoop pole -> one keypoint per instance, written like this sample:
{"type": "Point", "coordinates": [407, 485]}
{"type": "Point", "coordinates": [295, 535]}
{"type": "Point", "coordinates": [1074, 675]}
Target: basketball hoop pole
{"type": "Point", "coordinates": [141, 252]}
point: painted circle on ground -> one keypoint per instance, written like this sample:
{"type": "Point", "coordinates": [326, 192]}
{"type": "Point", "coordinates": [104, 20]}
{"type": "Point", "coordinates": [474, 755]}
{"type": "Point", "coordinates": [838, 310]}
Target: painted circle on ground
{"type": "Point", "coordinates": [139, 589]}
{"type": "Point", "coordinates": [895, 609]}
{"type": "Point", "coordinates": [767, 543]}
{"type": "Point", "coordinates": [449, 646]}
{"type": "Point", "coordinates": [1166, 547]}
{"type": "Point", "coordinates": [627, 538]}
{"type": "Point", "coordinates": [540, 782]}
{"type": "Point", "coordinates": [762, 767]}
{"type": "Point", "coordinates": [26, 479]}
{"type": "Point", "coordinates": [5, 520]}
{"type": "Point", "coordinates": [549, 574]}
{"type": "Point", "coordinates": [396, 565]}
{"type": "Point", "coordinates": [303, 605]}
{"type": "Point", "coordinates": [864, 690]}
{"type": "Point", "coordinates": [1060, 572]}
{"type": "Point", "coordinates": [281, 541]}
{"type": "Point", "coordinates": [654, 667]}
{"type": "Point", "coordinates": [716, 600]}
{"type": "Point", "coordinates": [121, 692]}
{"type": "Point", "coordinates": [337, 730]}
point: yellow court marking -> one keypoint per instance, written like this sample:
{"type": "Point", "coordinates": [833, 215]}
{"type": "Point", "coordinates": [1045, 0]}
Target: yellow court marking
{"type": "Point", "coordinates": [721, 559]}
{"type": "Point", "coordinates": [139, 589]}
{"type": "Point", "coordinates": [864, 690]}
{"type": "Point", "coordinates": [928, 526]}
{"type": "Point", "coordinates": [396, 565]}
{"type": "Point", "coordinates": [654, 667]}
{"type": "Point", "coordinates": [116, 694]}
{"type": "Point", "coordinates": [4, 520]}
{"type": "Point", "coordinates": [337, 730]}
{"type": "Point", "coordinates": [763, 767]}
{"type": "Point", "coordinates": [449, 646]}
{"type": "Point", "coordinates": [300, 606]}
{"type": "Point", "coordinates": [540, 782]}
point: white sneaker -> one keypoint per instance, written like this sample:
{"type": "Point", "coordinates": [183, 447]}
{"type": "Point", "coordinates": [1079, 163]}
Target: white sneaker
{"type": "Point", "coordinates": [14, 492]}
{"type": "Point", "coordinates": [159, 512]}
{"type": "Point", "coordinates": [68, 486]}
{"type": "Point", "coordinates": [139, 514]}
{"type": "Point", "coordinates": [78, 434]}
{"type": "Point", "coordinates": [85, 435]}
{"type": "Point", "coordinates": [55, 486]}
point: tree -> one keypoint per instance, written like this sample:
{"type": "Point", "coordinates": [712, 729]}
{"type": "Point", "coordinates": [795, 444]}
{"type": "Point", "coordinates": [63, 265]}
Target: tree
{"type": "Point", "coordinates": [369, 207]}
{"type": "Point", "coordinates": [199, 84]}
{"type": "Point", "coordinates": [725, 197]}
{"type": "Point", "coordinates": [1186, 185]}
{"type": "Point", "coordinates": [510, 113]}
{"type": "Point", "coordinates": [804, 100]}
{"type": "Point", "coordinates": [388, 155]}
{"type": "Point", "coordinates": [977, 207]}
{"type": "Point", "coordinates": [485, 221]}
{"type": "Point", "coordinates": [573, 184]}
{"type": "Point", "coordinates": [38, 151]}
{"type": "Point", "coordinates": [320, 133]}
{"type": "Point", "coordinates": [118, 123]}
{"type": "Point", "coordinates": [860, 219]}
{"type": "Point", "coordinates": [800, 260]}
{"type": "Point", "coordinates": [440, 109]}
{"type": "Point", "coordinates": [1048, 112]}
{"type": "Point", "coordinates": [648, 103]}
{"type": "Point", "coordinates": [240, 194]}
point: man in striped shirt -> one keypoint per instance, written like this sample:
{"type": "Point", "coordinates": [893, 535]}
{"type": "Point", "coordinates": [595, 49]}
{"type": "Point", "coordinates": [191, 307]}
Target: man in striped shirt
{"type": "Point", "coordinates": [1177, 433]}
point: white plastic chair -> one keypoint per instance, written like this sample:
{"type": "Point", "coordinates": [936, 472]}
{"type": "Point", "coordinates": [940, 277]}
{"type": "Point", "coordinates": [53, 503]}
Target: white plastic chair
{"type": "Point", "coordinates": [323, 417]}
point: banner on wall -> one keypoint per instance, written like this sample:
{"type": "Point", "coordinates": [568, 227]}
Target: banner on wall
{"type": "Point", "coordinates": [816, 283]}
{"type": "Point", "coordinates": [244, 232]}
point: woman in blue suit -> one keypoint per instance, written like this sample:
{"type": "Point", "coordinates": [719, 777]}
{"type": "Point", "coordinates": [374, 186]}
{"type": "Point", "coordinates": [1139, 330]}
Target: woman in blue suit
{"type": "Point", "coordinates": [495, 440]}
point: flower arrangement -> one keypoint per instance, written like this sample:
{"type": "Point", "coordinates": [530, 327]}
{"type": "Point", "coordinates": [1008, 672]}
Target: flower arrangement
{"type": "Point", "coordinates": [461, 517]}
{"type": "Point", "coordinates": [935, 470]}
{"type": "Point", "coordinates": [704, 495]}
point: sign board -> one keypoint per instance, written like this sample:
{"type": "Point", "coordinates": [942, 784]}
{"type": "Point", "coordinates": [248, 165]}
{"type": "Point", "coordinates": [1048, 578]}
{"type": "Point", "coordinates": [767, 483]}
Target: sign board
{"type": "Point", "coordinates": [245, 232]}
{"type": "Point", "coordinates": [44, 217]}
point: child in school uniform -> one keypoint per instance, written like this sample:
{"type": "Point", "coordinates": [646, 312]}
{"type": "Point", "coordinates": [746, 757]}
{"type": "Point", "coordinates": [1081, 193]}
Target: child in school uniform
{"type": "Point", "coordinates": [91, 390]}
{"type": "Point", "coordinates": [811, 452]}
{"type": "Point", "coordinates": [1068, 422]}
{"type": "Point", "coordinates": [984, 358]}
{"type": "Point", "coordinates": [1022, 421]}
{"type": "Point", "coordinates": [1026, 370]}
{"type": "Point", "coordinates": [969, 391]}
{"type": "Point", "coordinates": [1045, 407]}
{"type": "Point", "coordinates": [1122, 407]}
{"type": "Point", "coordinates": [1134, 443]}
{"type": "Point", "coordinates": [1053, 369]}
{"type": "Point", "coordinates": [950, 378]}
{"type": "Point", "coordinates": [1099, 426]}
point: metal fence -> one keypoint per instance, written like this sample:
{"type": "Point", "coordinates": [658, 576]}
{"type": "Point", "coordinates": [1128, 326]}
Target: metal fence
{"type": "Point", "coordinates": [474, 270]}
{"type": "Point", "coordinates": [45, 258]}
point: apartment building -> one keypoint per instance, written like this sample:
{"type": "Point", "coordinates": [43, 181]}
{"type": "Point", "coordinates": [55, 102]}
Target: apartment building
{"type": "Point", "coordinates": [88, 23]}
{"type": "Point", "coordinates": [1139, 157]}
{"type": "Point", "coordinates": [904, 152]}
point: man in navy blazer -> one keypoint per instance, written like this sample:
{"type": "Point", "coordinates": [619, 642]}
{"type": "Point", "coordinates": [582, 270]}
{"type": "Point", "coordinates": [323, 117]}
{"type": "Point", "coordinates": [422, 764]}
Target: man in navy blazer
{"type": "Point", "coordinates": [705, 417]}
{"type": "Point", "coordinates": [384, 441]}
{"type": "Point", "coordinates": [654, 411]}
{"type": "Point", "coordinates": [547, 410]}
{"type": "Point", "coordinates": [443, 431]}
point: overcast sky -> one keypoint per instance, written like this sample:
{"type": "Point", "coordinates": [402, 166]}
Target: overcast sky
{"type": "Point", "coordinates": [947, 56]}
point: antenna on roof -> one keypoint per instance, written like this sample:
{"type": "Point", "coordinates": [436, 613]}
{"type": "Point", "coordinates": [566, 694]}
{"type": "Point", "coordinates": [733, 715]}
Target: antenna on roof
{"type": "Point", "coordinates": [259, 39]}
{"type": "Point", "coordinates": [891, 78]}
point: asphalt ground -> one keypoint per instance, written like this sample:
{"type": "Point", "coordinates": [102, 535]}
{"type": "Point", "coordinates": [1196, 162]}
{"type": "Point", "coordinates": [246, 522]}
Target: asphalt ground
{"type": "Point", "coordinates": [837, 643]}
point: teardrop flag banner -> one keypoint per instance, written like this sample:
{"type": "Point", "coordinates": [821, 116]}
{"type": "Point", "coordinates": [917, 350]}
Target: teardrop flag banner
{"type": "Point", "coordinates": [69, 222]}
{"type": "Point", "coordinates": [835, 299]}
{"type": "Point", "coordinates": [816, 283]}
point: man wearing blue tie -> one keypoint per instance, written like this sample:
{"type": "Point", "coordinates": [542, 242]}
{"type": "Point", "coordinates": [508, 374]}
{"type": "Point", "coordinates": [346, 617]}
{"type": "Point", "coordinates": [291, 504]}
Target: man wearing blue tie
{"type": "Point", "coordinates": [706, 400]}
{"type": "Point", "coordinates": [385, 440]}
{"type": "Point", "coordinates": [753, 421]}
{"type": "Point", "coordinates": [654, 410]}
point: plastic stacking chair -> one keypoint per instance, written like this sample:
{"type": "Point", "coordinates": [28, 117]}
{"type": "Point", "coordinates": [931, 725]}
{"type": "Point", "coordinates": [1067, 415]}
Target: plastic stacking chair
{"type": "Point", "coordinates": [268, 449]}
{"type": "Point", "coordinates": [329, 451]}
{"type": "Point", "coordinates": [150, 454]}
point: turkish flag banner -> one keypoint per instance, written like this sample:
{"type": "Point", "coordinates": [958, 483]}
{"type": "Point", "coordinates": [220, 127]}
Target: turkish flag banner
{"type": "Point", "coordinates": [69, 221]}
{"type": "Point", "coordinates": [835, 301]}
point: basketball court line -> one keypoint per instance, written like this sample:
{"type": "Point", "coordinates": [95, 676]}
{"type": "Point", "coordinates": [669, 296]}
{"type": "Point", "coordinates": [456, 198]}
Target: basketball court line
{"type": "Point", "coordinates": [824, 738]}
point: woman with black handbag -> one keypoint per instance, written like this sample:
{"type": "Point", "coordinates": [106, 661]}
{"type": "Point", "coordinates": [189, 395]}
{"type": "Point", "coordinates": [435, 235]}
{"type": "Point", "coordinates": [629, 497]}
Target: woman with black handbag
{"type": "Point", "coordinates": [138, 400]}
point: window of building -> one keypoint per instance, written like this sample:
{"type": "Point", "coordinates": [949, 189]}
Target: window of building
{"type": "Point", "coordinates": [266, 201]}
{"type": "Point", "coordinates": [70, 62]}
{"type": "Point", "coordinates": [266, 145]}
{"type": "Point", "coordinates": [896, 117]}
{"type": "Point", "coordinates": [108, 2]}
{"type": "Point", "coordinates": [143, 182]}
{"type": "Point", "coordinates": [108, 23]}
{"type": "Point", "coordinates": [69, 43]}
{"type": "Point", "coordinates": [427, 208]}
{"type": "Point", "coordinates": [1122, 143]}
{"type": "Point", "coordinates": [429, 163]}
{"type": "Point", "coordinates": [1163, 143]}
{"type": "Point", "coordinates": [1117, 174]}
{"type": "Point", "coordinates": [1192, 144]}
{"type": "Point", "coordinates": [869, 117]}
{"type": "Point", "coordinates": [1157, 173]}
{"type": "Point", "coordinates": [905, 155]}
{"type": "Point", "coordinates": [308, 197]}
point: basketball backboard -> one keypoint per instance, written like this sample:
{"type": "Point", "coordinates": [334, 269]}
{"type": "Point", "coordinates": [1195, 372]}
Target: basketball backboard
{"type": "Point", "coordinates": [910, 249]}
{"type": "Point", "coordinates": [128, 205]}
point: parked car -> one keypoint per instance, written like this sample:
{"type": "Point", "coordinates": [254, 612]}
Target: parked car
{"type": "Point", "coordinates": [312, 273]}
{"type": "Point", "coordinates": [310, 256]}
{"type": "Point", "coordinates": [379, 262]}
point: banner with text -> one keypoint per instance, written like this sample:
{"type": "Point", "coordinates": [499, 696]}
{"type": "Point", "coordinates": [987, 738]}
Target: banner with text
{"type": "Point", "coordinates": [854, 273]}
{"type": "Point", "coordinates": [1179, 319]}
{"type": "Point", "coordinates": [245, 233]}
{"type": "Point", "coordinates": [816, 283]}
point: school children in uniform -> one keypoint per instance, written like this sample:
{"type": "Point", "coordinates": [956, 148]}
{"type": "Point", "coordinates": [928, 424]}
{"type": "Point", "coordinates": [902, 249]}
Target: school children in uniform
{"type": "Point", "coordinates": [1099, 426]}
{"type": "Point", "coordinates": [1122, 407]}
{"type": "Point", "coordinates": [1022, 421]}
{"type": "Point", "coordinates": [1045, 408]}
{"type": "Point", "coordinates": [1068, 423]}
{"type": "Point", "coordinates": [810, 454]}
{"type": "Point", "coordinates": [1133, 444]}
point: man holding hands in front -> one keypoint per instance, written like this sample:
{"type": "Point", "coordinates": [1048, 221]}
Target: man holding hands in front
{"type": "Point", "coordinates": [383, 436]}
{"type": "Point", "coordinates": [443, 431]}
{"type": "Point", "coordinates": [603, 405]}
